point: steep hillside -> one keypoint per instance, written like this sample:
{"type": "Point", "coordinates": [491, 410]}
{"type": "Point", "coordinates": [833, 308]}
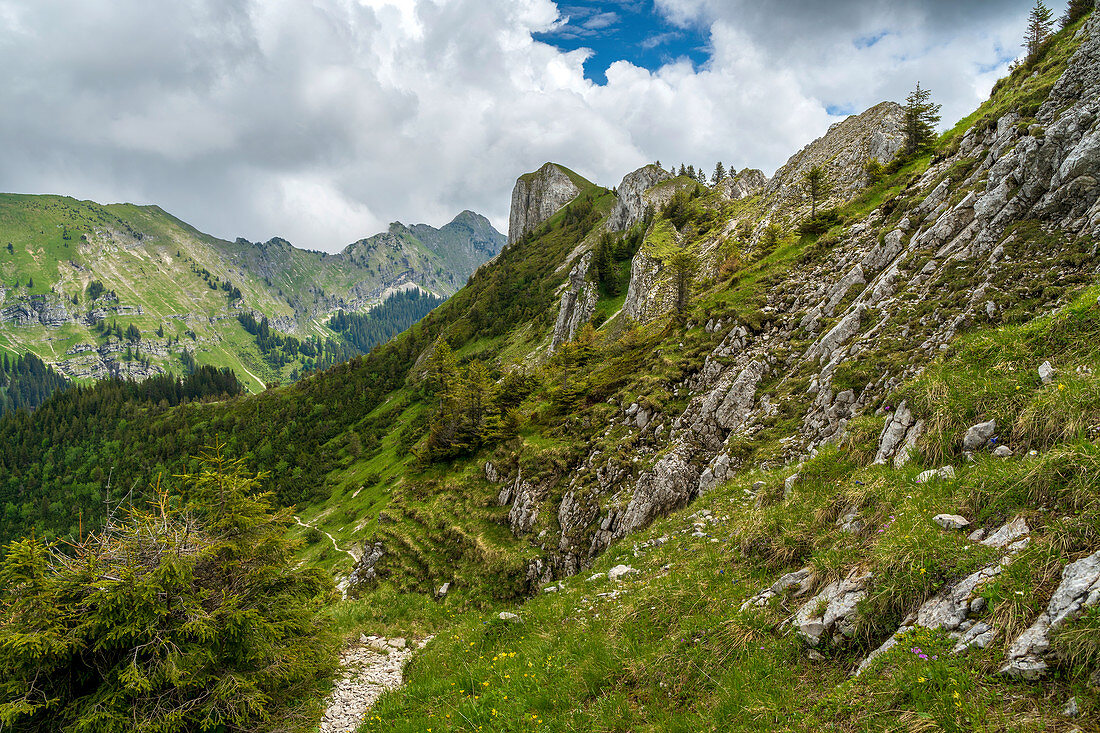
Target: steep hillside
{"type": "Point", "coordinates": [71, 271]}
{"type": "Point", "coordinates": [720, 466]}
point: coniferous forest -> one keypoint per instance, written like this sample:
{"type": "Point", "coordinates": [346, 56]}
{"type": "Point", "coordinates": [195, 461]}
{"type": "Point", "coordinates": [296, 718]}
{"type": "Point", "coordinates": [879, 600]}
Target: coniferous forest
{"type": "Point", "coordinates": [26, 382]}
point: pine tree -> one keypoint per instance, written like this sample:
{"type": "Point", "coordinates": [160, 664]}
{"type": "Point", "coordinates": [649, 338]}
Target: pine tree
{"type": "Point", "coordinates": [719, 173]}
{"type": "Point", "coordinates": [921, 118]}
{"type": "Point", "coordinates": [1038, 29]}
{"type": "Point", "coordinates": [684, 266]}
{"type": "Point", "coordinates": [691, 171]}
{"type": "Point", "coordinates": [683, 170]}
{"type": "Point", "coordinates": [816, 184]}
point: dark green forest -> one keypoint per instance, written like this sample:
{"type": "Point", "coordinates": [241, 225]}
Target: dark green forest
{"type": "Point", "coordinates": [84, 448]}
{"type": "Point", "coordinates": [26, 382]}
{"type": "Point", "coordinates": [396, 313]}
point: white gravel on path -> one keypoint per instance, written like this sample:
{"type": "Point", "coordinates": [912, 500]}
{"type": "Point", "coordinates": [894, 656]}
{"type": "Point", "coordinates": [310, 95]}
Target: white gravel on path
{"type": "Point", "coordinates": [369, 668]}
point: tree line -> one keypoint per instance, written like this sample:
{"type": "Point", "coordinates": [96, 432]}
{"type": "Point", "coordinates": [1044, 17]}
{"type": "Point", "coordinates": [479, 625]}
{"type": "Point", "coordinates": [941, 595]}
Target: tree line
{"type": "Point", "coordinates": [26, 382]}
{"type": "Point", "coordinates": [396, 313]}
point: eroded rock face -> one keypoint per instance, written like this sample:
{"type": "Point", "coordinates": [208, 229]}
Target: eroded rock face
{"type": "Point", "coordinates": [748, 182]}
{"type": "Point", "coordinates": [648, 294]}
{"type": "Point", "coordinates": [843, 151]}
{"type": "Point", "coordinates": [538, 196]}
{"type": "Point", "coordinates": [633, 198]}
{"type": "Point", "coordinates": [831, 615]}
{"type": "Point", "coordinates": [35, 310]}
{"type": "Point", "coordinates": [671, 484]}
{"type": "Point", "coordinates": [1079, 589]}
{"type": "Point", "coordinates": [578, 301]}
{"type": "Point", "coordinates": [899, 437]}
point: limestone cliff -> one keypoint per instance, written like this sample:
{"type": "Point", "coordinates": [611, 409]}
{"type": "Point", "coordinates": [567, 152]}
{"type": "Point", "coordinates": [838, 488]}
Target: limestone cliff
{"type": "Point", "coordinates": [538, 196]}
{"type": "Point", "coordinates": [748, 182]}
{"type": "Point", "coordinates": [578, 301]}
{"type": "Point", "coordinates": [843, 152]}
{"type": "Point", "coordinates": [634, 193]}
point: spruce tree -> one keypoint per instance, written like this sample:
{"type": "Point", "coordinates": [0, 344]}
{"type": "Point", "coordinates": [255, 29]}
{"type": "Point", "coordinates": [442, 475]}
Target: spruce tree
{"type": "Point", "coordinates": [190, 616]}
{"type": "Point", "coordinates": [1038, 29]}
{"type": "Point", "coordinates": [816, 184]}
{"type": "Point", "coordinates": [921, 117]}
{"type": "Point", "coordinates": [719, 173]}
{"type": "Point", "coordinates": [684, 266]}
{"type": "Point", "coordinates": [604, 265]}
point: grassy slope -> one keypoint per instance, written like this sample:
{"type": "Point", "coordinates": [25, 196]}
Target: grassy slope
{"type": "Point", "coordinates": [427, 501]}
{"type": "Point", "coordinates": [668, 649]}
{"type": "Point", "coordinates": [152, 261]}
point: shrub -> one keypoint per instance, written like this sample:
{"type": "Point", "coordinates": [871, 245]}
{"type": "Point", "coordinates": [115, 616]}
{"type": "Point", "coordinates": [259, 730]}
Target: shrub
{"type": "Point", "coordinates": [175, 619]}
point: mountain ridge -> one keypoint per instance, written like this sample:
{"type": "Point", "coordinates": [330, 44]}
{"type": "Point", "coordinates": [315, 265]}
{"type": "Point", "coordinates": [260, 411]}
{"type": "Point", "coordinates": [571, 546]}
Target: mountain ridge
{"type": "Point", "coordinates": [696, 473]}
{"type": "Point", "coordinates": [184, 289]}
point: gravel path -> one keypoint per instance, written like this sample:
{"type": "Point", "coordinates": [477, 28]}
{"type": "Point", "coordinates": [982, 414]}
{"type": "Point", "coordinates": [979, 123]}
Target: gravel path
{"type": "Point", "coordinates": [370, 668]}
{"type": "Point", "coordinates": [349, 553]}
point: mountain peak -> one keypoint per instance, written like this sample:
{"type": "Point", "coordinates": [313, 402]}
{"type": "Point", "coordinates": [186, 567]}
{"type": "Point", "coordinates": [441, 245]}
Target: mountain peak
{"type": "Point", "coordinates": [539, 195]}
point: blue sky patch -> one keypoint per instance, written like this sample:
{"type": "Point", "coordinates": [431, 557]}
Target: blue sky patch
{"type": "Point", "coordinates": [871, 40]}
{"type": "Point", "coordinates": [629, 30]}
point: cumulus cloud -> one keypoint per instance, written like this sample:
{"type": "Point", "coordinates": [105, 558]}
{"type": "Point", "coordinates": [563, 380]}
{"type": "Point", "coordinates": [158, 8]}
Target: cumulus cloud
{"type": "Point", "coordinates": [323, 121]}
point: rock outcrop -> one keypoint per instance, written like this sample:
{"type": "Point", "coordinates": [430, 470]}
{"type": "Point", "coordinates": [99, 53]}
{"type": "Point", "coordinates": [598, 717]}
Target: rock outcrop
{"type": "Point", "coordinates": [843, 152]}
{"type": "Point", "coordinates": [648, 293]}
{"type": "Point", "coordinates": [578, 301]}
{"type": "Point", "coordinates": [538, 196]}
{"type": "Point", "coordinates": [1079, 589]}
{"type": "Point", "coordinates": [634, 197]}
{"type": "Point", "coordinates": [748, 182]}
{"type": "Point", "coordinates": [831, 615]}
{"type": "Point", "coordinates": [953, 608]}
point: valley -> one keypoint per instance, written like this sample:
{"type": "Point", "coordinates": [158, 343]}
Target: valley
{"type": "Point", "coordinates": [682, 455]}
{"type": "Point", "coordinates": [76, 275]}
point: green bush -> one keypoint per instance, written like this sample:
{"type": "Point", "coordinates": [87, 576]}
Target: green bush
{"type": "Point", "coordinates": [175, 619]}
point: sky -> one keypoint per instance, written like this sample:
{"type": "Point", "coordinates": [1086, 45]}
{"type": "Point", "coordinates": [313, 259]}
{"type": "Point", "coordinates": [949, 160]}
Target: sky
{"type": "Point", "coordinates": [321, 121]}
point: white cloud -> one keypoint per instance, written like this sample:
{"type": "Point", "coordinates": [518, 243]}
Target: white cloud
{"type": "Point", "coordinates": [323, 121]}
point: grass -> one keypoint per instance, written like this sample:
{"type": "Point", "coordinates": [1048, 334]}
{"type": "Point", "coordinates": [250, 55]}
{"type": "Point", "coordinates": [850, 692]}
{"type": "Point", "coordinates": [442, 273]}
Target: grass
{"type": "Point", "coordinates": [1025, 89]}
{"type": "Point", "coordinates": [667, 648]}
{"type": "Point", "coordinates": [154, 262]}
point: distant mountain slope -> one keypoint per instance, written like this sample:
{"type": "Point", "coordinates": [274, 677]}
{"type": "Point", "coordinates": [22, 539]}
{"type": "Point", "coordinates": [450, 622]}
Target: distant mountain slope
{"type": "Point", "coordinates": [75, 275]}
